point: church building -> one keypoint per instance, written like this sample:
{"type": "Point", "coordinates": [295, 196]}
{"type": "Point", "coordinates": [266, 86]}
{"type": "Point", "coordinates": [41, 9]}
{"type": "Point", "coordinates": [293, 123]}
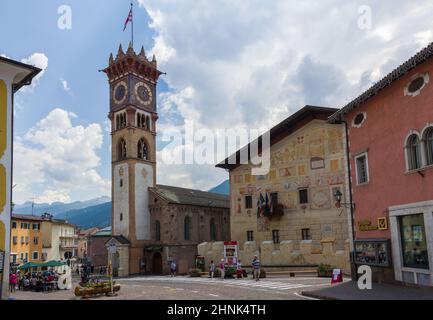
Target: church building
{"type": "Point", "coordinates": [152, 224]}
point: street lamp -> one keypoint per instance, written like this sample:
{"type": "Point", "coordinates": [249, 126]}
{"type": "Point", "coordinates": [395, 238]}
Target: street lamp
{"type": "Point", "coordinates": [338, 196]}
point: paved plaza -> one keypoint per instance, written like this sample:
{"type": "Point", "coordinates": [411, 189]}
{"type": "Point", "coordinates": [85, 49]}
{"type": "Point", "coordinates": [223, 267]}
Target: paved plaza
{"type": "Point", "coordinates": [186, 288]}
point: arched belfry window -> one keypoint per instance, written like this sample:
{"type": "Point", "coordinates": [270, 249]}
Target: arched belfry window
{"type": "Point", "coordinates": [187, 228]}
{"type": "Point", "coordinates": [213, 232]}
{"type": "Point", "coordinates": [429, 146]}
{"type": "Point", "coordinates": [121, 149]}
{"type": "Point", "coordinates": [138, 124]}
{"type": "Point", "coordinates": [142, 150]}
{"type": "Point", "coordinates": [148, 123]}
{"type": "Point", "coordinates": [413, 152]}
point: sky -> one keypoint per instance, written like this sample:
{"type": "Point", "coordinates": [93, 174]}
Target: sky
{"type": "Point", "coordinates": [228, 63]}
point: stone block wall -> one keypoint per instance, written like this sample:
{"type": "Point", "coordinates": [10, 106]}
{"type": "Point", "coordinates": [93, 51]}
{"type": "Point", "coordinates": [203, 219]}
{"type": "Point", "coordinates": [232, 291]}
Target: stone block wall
{"type": "Point", "coordinates": [283, 255]}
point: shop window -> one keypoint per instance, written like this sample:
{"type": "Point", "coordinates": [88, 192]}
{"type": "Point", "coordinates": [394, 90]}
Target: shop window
{"type": "Point", "coordinates": [276, 236]}
{"type": "Point", "coordinates": [362, 175]}
{"type": "Point", "coordinates": [413, 152]}
{"type": "Point", "coordinates": [306, 235]}
{"type": "Point", "coordinates": [248, 202]}
{"type": "Point", "coordinates": [413, 240]}
{"type": "Point", "coordinates": [303, 196]}
{"type": "Point", "coordinates": [250, 236]}
{"type": "Point", "coordinates": [373, 252]}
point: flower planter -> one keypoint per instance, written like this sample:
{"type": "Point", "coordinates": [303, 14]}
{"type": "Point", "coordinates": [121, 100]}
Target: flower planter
{"type": "Point", "coordinates": [93, 291]}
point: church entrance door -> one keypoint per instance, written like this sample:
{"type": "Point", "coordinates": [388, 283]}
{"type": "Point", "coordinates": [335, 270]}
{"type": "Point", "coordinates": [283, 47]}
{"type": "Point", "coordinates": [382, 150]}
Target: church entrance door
{"type": "Point", "coordinates": [157, 263]}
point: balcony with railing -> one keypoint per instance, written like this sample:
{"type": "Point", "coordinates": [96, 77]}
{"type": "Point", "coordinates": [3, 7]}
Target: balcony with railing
{"type": "Point", "coordinates": [68, 245]}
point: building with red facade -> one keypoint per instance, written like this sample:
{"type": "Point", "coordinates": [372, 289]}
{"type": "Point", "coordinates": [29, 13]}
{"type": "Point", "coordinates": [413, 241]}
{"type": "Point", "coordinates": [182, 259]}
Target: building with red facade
{"type": "Point", "coordinates": [390, 149]}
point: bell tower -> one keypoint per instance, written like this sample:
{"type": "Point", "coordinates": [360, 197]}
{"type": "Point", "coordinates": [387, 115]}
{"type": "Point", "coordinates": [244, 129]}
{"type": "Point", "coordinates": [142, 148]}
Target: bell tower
{"type": "Point", "coordinates": [132, 79]}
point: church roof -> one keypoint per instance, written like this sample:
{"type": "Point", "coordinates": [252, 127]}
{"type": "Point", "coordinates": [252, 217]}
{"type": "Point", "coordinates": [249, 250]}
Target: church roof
{"type": "Point", "coordinates": [192, 197]}
{"type": "Point", "coordinates": [419, 58]}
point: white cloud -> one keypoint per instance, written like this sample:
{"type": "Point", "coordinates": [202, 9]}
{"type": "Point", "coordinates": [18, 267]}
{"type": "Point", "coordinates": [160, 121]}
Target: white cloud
{"type": "Point", "coordinates": [65, 85]}
{"type": "Point", "coordinates": [60, 157]}
{"type": "Point", "coordinates": [252, 63]}
{"type": "Point", "coordinates": [39, 60]}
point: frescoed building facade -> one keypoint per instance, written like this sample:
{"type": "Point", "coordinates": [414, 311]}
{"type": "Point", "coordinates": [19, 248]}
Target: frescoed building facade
{"type": "Point", "coordinates": [307, 167]}
{"type": "Point", "coordinates": [390, 136]}
{"type": "Point", "coordinates": [13, 76]}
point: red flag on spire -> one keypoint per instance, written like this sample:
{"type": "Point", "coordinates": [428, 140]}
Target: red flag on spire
{"type": "Point", "coordinates": [129, 19]}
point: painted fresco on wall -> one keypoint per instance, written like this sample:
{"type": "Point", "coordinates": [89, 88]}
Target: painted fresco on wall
{"type": "Point", "coordinates": [317, 145]}
{"type": "Point", "coordinates": [262, 224]}
{"type": "Point", "coordinates": [302, 161]}
{"type": "Point", "coordinates": [335, 141]}
{"type": "Point", "coordinates": [320, 198]}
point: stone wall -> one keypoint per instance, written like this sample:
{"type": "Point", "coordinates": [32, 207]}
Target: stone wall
{"type": "Point", "coordinates": [283, 255]}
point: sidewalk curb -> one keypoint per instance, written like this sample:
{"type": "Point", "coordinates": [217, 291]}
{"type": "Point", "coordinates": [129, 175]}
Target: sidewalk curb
{"type": "Point", "coordinates": [317, 296]}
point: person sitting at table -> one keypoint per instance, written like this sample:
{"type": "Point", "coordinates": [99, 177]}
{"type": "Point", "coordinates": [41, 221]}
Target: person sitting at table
{"type": "Point", "coordinates": [26, 283]}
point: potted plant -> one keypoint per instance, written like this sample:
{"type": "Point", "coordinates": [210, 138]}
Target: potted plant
{"type": "Point", "coordinates": [324, 270]}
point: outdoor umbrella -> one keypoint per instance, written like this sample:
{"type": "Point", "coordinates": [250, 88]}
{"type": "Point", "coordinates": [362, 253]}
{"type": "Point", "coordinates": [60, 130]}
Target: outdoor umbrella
{"type": "Point", "coordinates": [29, 265]}
{"type": "Point", "coordinates": [53, 263]}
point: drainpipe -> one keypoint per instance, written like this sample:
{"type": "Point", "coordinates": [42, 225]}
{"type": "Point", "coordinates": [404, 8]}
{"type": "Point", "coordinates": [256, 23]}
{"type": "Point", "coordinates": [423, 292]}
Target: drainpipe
{"type": "Point", "coordinates": [352, 258]}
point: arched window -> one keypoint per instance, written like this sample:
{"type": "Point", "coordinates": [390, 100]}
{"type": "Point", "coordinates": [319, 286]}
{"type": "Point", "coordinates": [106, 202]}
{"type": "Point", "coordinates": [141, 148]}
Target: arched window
{"type": "Point", "coordinates": [213, 233]}
{"type": "Point", "coordinates": [187, 228]}
{"type": "Point", "coordinates": [142, 150]}
{"type": "Point", "coordinates": [138, 120]}
{"type": "Point", "coordinates": [413, 152]}
{"type": "Point", "coordinates": [117, 122]}
{"type": "Point", "coordinates": [429, 146]}
{"type": "Point", "coordinates": [148, 123]}
{"type": "Point", "coordinates": [143, 121]}
{"type": "Point", "coordinates": [121, 149]}
{"type": "Point", "coordinates": [122, 120]}
{"type": "Point", "coordinates": [157, 230]}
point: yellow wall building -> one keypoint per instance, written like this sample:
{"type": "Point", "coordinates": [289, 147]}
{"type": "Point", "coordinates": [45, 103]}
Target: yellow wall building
{"type": "Point", "coordinates": [26, 239]}
{"type": "Point", "coordinates": [13, 76]}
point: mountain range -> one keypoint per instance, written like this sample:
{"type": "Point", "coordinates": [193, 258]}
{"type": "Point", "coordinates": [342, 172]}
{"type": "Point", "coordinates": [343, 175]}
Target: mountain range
{"type": "Point", "coordinates": [86, 214]}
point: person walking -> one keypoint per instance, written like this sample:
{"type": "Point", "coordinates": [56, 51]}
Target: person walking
{"type": "Point", "coordinates": [173, 268]}
{"type": "Point", "coordinates": [239, 273]}
{"type": "Point", "coordinates": [256, 268]}
{"type": "Point", "coordinates": [211, 269]}
{"type": "Point", "coordinates": [12, 282]}
{"type": "Point", "coordinates": [222, 269]}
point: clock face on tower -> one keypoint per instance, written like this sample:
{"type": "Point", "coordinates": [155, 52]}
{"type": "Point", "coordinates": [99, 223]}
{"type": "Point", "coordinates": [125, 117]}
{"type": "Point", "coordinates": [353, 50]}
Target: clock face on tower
{"type": "Point", "coordinates": [143, 93]}
{"type": "Point", "coordinates": [120, 92]}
